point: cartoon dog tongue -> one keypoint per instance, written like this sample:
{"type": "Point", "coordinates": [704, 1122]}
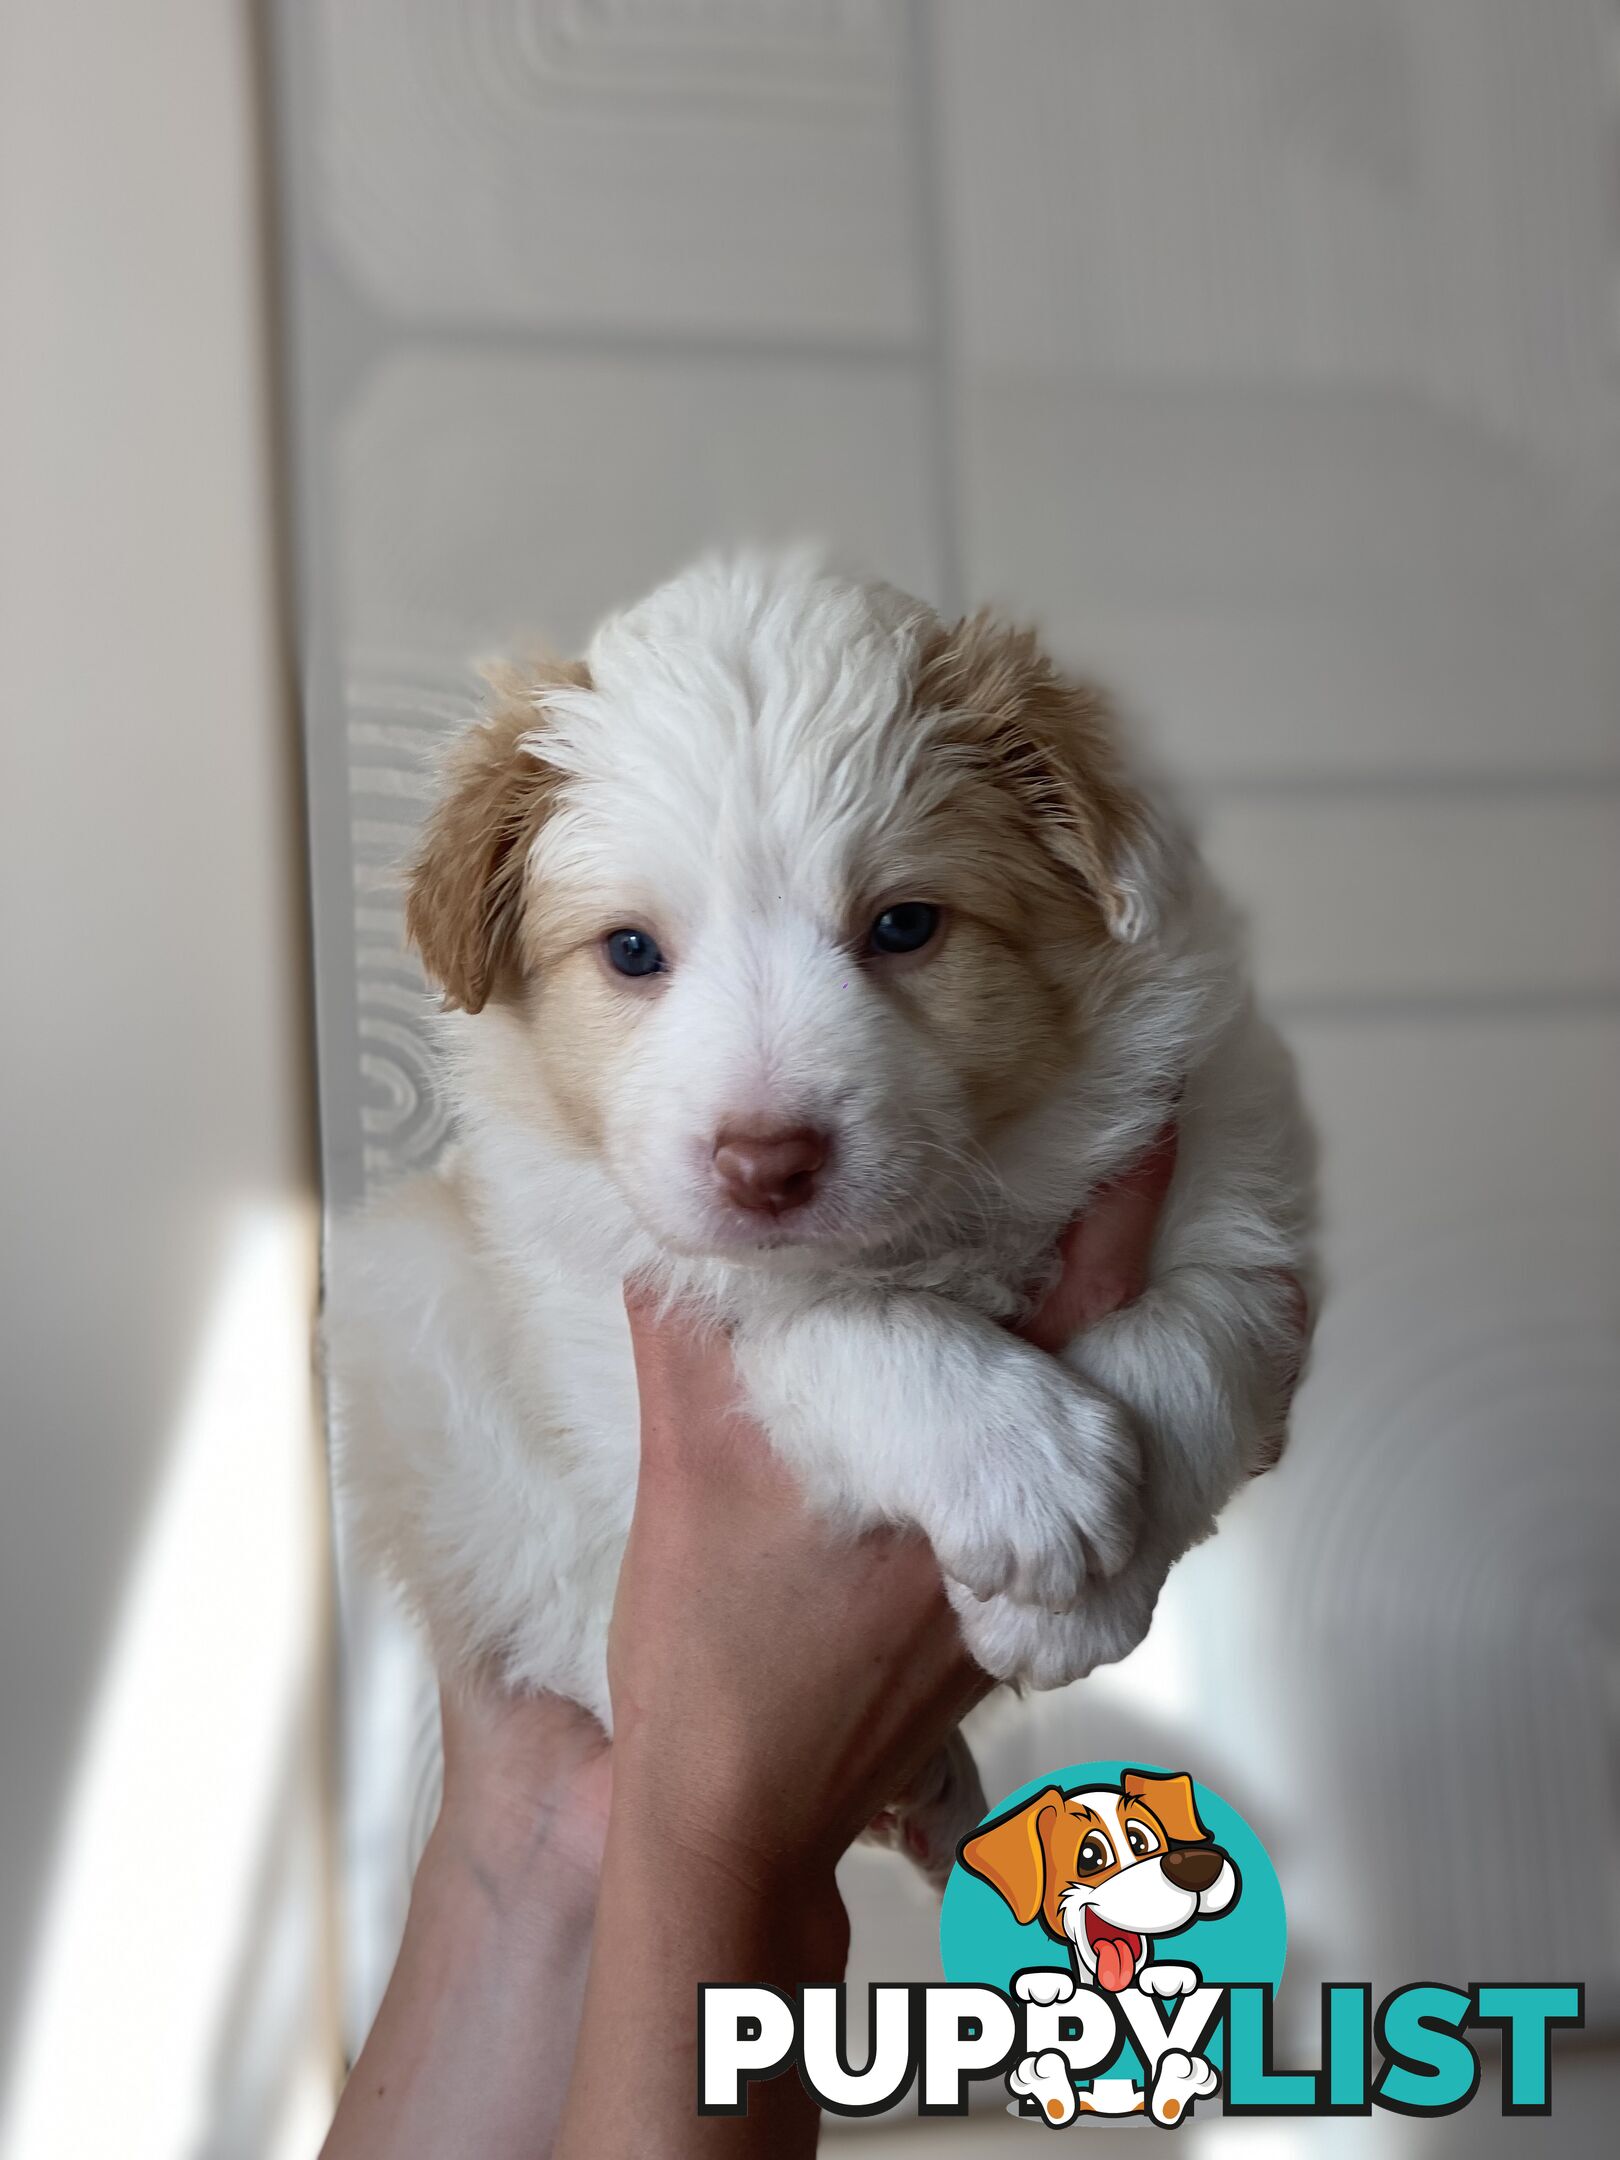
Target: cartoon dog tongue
{"type": "Point", "coordinates": [1117, 1953]}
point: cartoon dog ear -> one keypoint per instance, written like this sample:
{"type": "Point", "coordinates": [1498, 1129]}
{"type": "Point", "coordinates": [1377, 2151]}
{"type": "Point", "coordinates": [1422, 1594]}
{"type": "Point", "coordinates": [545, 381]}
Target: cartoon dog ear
{"type": "Point", "coordinates": [1010, 1855]}
{"type": "Point", "coordinates": [1053, 744]}
{"type": "Point", "coordinates": [1171, 1799]}
{"type": "Point", "coordinates": [465, 902]}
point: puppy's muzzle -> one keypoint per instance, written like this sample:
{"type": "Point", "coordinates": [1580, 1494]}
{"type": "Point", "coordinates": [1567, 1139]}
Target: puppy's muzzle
{"type": "Point", "coordinates": [1194, 1870]}
{"type": "Point", "coordinates": [770, 1172]}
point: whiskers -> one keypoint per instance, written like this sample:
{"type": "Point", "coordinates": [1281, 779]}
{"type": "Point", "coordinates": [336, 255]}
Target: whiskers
{"type": "Point", "coordinates": [975, 1184]}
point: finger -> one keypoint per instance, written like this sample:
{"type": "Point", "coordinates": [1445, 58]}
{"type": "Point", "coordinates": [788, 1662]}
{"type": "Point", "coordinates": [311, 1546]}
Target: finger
{"type": "Point", "coordinates": [695, 1427]}
{"type": "Point", "coordinates": [666, 1340]}
{"type": "Point", "coordinates": [1105, 1251]}
{"type": "Point", "coordinates": [683, 1371]}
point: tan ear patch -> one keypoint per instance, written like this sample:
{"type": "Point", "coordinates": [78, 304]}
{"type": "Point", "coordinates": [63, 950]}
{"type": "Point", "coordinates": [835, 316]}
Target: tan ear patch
{"type": "Point", "coordinates": [1171, 1799]}
{"type": "Point", "coordinates": [1052, 743]}
{"type": "Point", "coordinates": [464, 906]}
{"type": "Point", "coordinates": [1010, 1855]}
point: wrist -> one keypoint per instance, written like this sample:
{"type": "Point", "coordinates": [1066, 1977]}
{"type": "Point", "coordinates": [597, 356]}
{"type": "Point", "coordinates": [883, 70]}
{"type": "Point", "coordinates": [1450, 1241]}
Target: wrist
{"type": "Point", "coordinates": [705, 1791]}
{"type": "Point", "coordinates": [736, 1881]}
{"type": "Point", "coordinates": [540, 1853]}
{"type": "Point", "coordinates": [526, 1790]}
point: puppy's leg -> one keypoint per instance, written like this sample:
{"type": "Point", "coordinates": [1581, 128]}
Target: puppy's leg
{"type": "Point", "coordinates": [1031, 1647]}
{"type": "Point", "coordinates": [1206, 1360]}
{"type": "Point", "coordinates": [907, 1409]}
{"type": "Point", "coordinates": [941, 1806]}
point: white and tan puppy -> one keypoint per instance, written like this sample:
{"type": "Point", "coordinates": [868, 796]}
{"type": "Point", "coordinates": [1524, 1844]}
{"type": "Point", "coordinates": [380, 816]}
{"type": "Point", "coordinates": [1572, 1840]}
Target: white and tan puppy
{"type": "Point", "coordinates": [814, 959]}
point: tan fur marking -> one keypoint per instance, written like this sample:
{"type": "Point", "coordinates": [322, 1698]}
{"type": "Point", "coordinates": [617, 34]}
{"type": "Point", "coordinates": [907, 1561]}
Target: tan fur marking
{"type": "Point", "coordinates": [1023, 949]}
{"type": "Point", "coordinates": [581, 1028]}
{"type": "Point", "coordinates": [464, 908]}
{"type": "Point", "coordinates": [1051, 743]}
{"type": "Point", "coordinates": [1003, 1023]}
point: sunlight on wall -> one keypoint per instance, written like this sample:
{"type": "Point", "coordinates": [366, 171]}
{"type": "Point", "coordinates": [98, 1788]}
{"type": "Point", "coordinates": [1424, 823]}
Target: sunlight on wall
{"type": "Point", "coordinates": [186, 1764]}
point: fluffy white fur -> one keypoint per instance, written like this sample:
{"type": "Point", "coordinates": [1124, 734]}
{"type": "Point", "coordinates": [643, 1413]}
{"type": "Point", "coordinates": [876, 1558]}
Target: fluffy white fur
{"type": "Point", "coordinates": [747, 747]}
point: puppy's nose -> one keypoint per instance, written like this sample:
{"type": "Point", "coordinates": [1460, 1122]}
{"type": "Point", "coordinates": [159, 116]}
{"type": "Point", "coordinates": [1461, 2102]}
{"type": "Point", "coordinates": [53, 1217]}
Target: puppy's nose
{"type": "Point", "coordinates": [772, 1171]}
{"type": "Point", "coordinates": [1194, 1867]}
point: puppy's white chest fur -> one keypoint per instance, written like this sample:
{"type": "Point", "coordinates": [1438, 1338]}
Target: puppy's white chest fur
{"type": "Point", "coordinates": [814, 960]}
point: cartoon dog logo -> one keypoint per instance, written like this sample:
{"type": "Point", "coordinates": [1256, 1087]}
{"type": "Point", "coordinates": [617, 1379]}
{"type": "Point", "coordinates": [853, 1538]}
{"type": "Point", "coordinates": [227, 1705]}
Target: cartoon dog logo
{"type": "Point", "coordinates": [1108, 1872]}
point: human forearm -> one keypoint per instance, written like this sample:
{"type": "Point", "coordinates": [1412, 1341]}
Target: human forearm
{"type": "Point", "coordinates": [472, 2046]}
{"type": "Point", "coordinates": [676, 1911]}
{"type": "Point", "coordinates": [775, 1682]}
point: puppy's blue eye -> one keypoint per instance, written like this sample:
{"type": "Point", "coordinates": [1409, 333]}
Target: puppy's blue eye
{"type": "Point", "coordinates": [904, 928]}
{"type": "Point", "coordinates": [633, 952]}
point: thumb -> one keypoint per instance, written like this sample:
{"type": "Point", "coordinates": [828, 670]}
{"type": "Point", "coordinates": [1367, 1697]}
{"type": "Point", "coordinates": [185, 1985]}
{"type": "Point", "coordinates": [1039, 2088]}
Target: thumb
{"type": "Point", "coordinates": [685, 1382]}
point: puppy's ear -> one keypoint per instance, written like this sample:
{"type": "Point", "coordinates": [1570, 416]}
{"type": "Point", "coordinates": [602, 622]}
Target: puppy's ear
{"type": "Point", "coordinates": [464, 906]}
{"type": "Point", "coordinates": [1053, 744]}
{"type": "Point", "coordinates": [1171, 1799]}
{"type": "Point", "coordinates": [1010, 1855]}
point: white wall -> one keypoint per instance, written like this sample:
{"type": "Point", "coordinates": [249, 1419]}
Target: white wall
{"type": "Point", "coordinates": [154, 1087]}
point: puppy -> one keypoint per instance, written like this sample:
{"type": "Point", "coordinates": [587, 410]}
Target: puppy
{"type": "Point", "coordinates": [812, 959]}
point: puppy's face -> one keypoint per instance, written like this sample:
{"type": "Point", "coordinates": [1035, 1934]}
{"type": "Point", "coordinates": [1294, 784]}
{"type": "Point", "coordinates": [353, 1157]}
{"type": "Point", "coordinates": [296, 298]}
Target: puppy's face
{"type": "Point", "coordinates": [786, 907]}
{"type": "Point", "coordinates": [1108, 1869]}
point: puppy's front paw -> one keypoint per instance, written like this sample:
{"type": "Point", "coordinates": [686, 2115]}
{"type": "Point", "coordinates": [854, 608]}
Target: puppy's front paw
{"type": "Point", "coordinates": [1044, 1984]}
{"type": "Point", "coordinates": [1046, 1649]}
{"type": "Point", "coordinates": [1051, 1497]}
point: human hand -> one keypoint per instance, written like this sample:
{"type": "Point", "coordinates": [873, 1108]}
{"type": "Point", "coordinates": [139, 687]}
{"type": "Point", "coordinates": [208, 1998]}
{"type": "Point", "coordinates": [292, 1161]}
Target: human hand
{"type": "Point", "coordinates": [775, 1681]}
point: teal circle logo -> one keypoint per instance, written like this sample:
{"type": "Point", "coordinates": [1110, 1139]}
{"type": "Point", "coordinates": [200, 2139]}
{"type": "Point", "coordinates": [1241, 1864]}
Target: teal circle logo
{"type": "Point", "coordinates": [1114, 1872]}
